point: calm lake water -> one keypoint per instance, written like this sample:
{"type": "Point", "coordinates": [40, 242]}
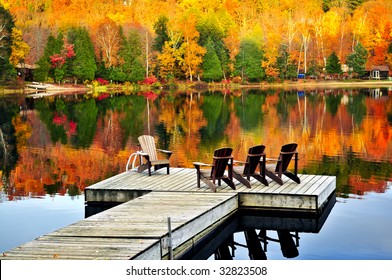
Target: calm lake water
{"type": "Point", "coordinates": [54, 147]}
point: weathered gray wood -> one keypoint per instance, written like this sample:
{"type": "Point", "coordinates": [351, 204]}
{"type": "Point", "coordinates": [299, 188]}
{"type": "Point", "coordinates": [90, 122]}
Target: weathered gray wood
{"type": "Point", "coordinates": [49, 247]}
{"type": "Point", "coordinates": [279, 201]}
{"type": "Point", "coordinates": [184, 180]}
{"type": "Point", "coordinates": [137, 229]}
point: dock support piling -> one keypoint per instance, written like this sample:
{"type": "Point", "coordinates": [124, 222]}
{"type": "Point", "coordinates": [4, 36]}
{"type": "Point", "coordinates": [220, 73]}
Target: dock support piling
{"type": "Point", "coordinates": [170, 241]}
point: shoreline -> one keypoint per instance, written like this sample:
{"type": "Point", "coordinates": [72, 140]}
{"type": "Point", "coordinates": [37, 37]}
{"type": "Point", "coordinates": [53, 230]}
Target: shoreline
{"type": "Point", "coordinates": [300, 85]}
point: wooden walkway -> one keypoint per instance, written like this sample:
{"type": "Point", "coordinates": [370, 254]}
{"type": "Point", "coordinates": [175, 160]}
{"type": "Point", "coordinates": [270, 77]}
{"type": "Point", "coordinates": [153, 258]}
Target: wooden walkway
{"type": "Point", "coordinates": [138, 228]}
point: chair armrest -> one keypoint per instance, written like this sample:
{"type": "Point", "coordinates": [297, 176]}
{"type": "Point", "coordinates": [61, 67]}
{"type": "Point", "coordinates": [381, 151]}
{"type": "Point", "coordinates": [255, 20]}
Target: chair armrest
{"type": "Point", "coordinates": [289, 153]}
{"type": "Point", "coordinates": [272, 159]}
{"type": "Point", "coordinates": [166, 152]}
{"type": "Point", "coordinates": [144, 155]}
{"type": "Point", "coordinates": [201, 164]}
{"type": "Point", "coordinates": [228, 157]}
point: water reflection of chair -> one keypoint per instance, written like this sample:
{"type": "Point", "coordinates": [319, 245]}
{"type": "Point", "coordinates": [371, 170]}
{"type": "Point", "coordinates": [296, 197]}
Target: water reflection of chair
{"type": "Point", "coordinates": [149, 156]}
{"type": "Point", "coordinates": [256, 252]}
{"type": "Point", "coordinates": [226, 250]}
{"type": "Point", "coordinates": [276, 171]}
{"type": "Point", "coordinates": [222, 160]}
{"type": "Point", "coordinates": [288, 246]}
{"type": "Point", "coordinates": [248, 168]}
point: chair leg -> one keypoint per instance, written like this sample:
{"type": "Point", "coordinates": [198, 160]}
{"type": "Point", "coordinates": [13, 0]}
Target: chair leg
{"type": "Point", "coordinates": [261, 179]}
{"type": "Point", "coordinates": [274, 177]}
{"type": "Point", "coordinates": [241, 179]}
{"type": "Point", "coordinates": [211, 185]}
{"type": "Point", "coordinates": [292, 176]}
{"type": "Point", "coordinates": [229, 182]}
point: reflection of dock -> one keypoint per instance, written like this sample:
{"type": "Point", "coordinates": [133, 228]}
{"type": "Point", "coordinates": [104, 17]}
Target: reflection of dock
{"type": "Point", "coordinates": [38, 86]}
{"type": "Point", "coordinates": [139, 228]}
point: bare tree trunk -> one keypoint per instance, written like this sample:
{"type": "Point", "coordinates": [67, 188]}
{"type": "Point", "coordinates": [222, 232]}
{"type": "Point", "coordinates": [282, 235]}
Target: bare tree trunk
{"type": "Point", "coordinates": [299, 59]}
{"type": "Point", "coordinates": [147, 64]}
{"type": "Point", "coordinates": [341, 42]}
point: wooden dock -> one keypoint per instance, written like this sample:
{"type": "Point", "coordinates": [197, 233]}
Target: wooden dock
{"type": "Point", "coordinates": [138, 228]}
{"type": "Point", "coordinates": [308, 196]}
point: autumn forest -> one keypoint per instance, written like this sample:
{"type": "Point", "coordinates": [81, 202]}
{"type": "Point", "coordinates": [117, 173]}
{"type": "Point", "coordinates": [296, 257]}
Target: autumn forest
{"type": "Point", "coordinates": [210, 40]}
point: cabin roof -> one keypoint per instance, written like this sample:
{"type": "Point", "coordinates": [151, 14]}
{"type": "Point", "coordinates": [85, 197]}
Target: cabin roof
{"type": "Point", "coordinates": [379, 67]}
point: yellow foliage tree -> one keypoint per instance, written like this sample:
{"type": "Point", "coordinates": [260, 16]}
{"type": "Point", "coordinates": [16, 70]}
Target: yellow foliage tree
{"type": "Point", "coordinates": [167, 60]}
{"type": "Point", "coordinates": [192, 53]}
{"type": "Point", "coordinates": [19, 48]}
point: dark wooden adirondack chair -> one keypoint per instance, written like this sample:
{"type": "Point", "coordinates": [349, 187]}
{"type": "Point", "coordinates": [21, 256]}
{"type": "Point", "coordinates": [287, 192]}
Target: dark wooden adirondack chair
{"type": "Point", "coordinates": [249, 167]}
{"type": "Point", "coordinates": [222, 160]}
{"type": "Point", "coordinates": [149, 156]}
{"type": "Point", "coordinates": [275, 171]}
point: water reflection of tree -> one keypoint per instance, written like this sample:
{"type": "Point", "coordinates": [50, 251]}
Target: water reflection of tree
{"type": "Point", "coordinates": [216, 112]}
{"type": "Point", "coordinates": [131, 110]}
{"type": "Point", "coordinates": [132, 123]}
{"type": "Point", "coordinates": [333, 102]}
{"type": "Point", "coordinates": [86, 115]}
{"type": "Point", "coordinates": [357, 108]}
{"type": "Point", "coordinates": [287, 101]}
{"type": "Point", "coordinates": [48, 114]}
{"type": "Point", "coordinates": [8, 149]}
{"type": "Point", "coordinates": [58, 114]}
{"type": "Point", "coordinates": [248, 109]}
{"type": "Point", "coordinates": [165, 133]}
{"type": "Point", "coordinates": [350, 166]}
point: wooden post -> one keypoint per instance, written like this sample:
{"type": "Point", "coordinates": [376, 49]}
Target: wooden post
{"type": "Point", "coordinates": [170, 241]}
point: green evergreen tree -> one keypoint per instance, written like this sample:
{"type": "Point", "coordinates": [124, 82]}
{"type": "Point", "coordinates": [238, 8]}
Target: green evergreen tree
{"type": "Point", "coordinates": [130, 54]}
{"type": "Point", "coordinates": [84, 65]}
{"type": "Point", "coordinates": [53, 46]}
{"type": "Point", "coordinates": [248, 61]}
{"type": "Point", "coordinates": [138, 71]}
{"type": "Point", "coordinates": [210, 29]}
{"type": "Point", "coordinates": [7, 71]}
{"type": "Point", "coordinates": [333, 64]}
{"type": "Point", "coordinates": [357, 60]}
{"type": "Point", "coordinates": [160, 28]}
{"type": "Point", "coordinates": [212, 70]}
{"type": "Point", "coordinates": [287, 69]}
{"type": "Point", "coordinates": [124, 55]}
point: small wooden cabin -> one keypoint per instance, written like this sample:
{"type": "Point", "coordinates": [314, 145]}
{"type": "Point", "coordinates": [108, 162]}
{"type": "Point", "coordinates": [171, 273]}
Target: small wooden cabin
{"type": "Point", "coordinates": [377, 72]}
{"type": "Point", "coordinates": [25, 71]}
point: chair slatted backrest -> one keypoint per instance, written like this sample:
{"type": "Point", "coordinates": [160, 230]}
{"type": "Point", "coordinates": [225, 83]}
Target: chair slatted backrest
{"type": "Point", "coordinates": [147, 144]}
{"type": "Point", "coordinates": [220, 160]}
{"type": "Point", "coordinates": [254, 155]}
{"type": "Point", "coordinates": [286, 154]}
